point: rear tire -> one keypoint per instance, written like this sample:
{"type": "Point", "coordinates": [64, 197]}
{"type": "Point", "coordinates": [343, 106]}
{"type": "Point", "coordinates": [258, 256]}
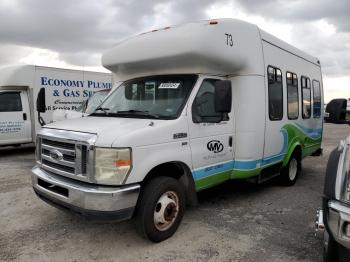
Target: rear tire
{"type": "Point", "coordinates": [290, 173]}
{"type": "Point", "coordinates": [160, 208]}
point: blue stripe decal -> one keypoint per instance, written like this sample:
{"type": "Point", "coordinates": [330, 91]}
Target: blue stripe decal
{"type": "Point", "coordinates": [272, 160]}
{"type": "Point", "coordinates": [246, 165]}
{"type": "Point", "coordinates": [211, 170]}
{"type": "Point", "coordinates": [314, 133]}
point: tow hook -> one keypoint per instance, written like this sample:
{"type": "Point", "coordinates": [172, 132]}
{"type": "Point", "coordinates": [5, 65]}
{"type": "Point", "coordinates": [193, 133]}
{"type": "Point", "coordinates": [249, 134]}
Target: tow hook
{"type": "Point", "coordinates": [319, 224]}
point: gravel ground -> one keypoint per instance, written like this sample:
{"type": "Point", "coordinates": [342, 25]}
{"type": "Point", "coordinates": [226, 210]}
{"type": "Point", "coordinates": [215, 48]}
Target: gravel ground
{"type": "Point", "coordinates": [235, 221]}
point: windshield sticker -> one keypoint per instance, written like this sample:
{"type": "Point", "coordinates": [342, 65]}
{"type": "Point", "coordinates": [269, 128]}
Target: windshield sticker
{"type": "Point", "coordinates": [169, 85]}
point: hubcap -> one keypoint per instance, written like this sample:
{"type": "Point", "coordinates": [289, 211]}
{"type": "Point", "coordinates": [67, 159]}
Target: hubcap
{"type": "Point", "coordinates": [293, 169]}
{"type": "Point", "coordinates": [166, 210]}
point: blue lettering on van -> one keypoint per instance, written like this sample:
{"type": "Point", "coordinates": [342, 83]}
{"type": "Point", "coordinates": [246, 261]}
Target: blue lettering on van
{"type": "Point", "coordinates": [55, 82]}
{"type": "Point", "coordinates": [93, 84]}
{"type": "Point", "coordinates": [87, 93]}
{"type": "Point", "coordinates": [71, 93]}
{"type": "Point", "coordinates": [45, 81]}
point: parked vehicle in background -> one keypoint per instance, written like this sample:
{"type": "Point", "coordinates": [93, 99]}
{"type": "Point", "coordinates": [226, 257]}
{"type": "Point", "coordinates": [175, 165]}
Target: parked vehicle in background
{"type": "Point", "coordinates": [337, 111]}
{"type": "Point", "coordinates": [347, 117]}
{"type": "Point", "coordinates": [334, 220]}
{"type": "Point", "coordinates": [86, 108]}
{"type": "Point", "coordinates": [21, 85]}
{"type": "Point", "coordinates": [230, 102]}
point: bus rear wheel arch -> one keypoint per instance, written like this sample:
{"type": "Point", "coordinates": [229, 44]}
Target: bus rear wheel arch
{"type": "Point", "coordinates": [291, 172]}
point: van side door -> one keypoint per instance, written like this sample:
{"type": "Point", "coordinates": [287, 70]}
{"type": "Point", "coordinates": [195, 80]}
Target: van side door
{"type": "Point", "coordinates": [15, 122]}
{"type": "Point", "coordinates": [211, 138]}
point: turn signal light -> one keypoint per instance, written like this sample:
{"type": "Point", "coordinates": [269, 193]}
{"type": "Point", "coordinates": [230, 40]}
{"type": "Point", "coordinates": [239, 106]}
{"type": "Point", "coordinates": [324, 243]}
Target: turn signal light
{"type": "Point", "coordinates": [122, 162]}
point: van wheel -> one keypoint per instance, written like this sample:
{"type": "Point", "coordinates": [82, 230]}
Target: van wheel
{"type": "Point", "coordinates": [290, 173]}
{"type": "Point", "coordinates": [330, 248]}
{"type": "Point", "coordinates": [160, 209]}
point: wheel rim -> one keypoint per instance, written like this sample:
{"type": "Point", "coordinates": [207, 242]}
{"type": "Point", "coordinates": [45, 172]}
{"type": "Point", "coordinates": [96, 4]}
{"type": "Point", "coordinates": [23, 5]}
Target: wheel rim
{"type": "Point", "coordinates": [166, 210]}
{"type": "Point", "coordinates": [293, 169]}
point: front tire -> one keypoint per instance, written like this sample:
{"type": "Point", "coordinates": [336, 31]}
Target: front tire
{"type": "Point", "coordinates": [290, 173]}
{"type": "Point", "coordinates": [330, 249]}
{"type": "Point", "coordinates": [160, 209]}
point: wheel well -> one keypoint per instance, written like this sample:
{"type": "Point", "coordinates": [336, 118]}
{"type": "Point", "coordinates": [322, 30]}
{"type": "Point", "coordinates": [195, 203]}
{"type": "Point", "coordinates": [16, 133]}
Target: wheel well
{"type": "Point", "coordinates": [297, 152]}
{"type": "Point", "coordinates": [179, 171]}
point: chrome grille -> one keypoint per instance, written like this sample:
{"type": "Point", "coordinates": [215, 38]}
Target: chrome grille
{"type": "Point", "coordinates": [58, 144]}
{"type": "Point", "coordinates": [50, 165]}
{"type": "Point", "coordinates": [66, 157]}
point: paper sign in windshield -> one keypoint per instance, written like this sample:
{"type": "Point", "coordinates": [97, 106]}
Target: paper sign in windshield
{"type": "Point", "coordinates": [169, 85]}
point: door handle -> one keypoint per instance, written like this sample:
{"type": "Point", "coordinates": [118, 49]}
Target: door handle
{"type": "Point", "coordinates": [230, 141]}
{"type": "Point", "coordinates": [24, 116]}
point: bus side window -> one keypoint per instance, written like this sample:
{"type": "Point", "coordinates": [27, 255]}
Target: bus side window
{"type": "Point", "coordinates": [306, 96]}
{"type": "Point", "coordinates": [275, 93]}
{"type": "Point", "coordinates": [317, 99]}
{"type": "Point", "coordinates": [292, 96]}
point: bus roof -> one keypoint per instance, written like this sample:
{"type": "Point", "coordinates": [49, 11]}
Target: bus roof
{"type": "Point", "coordinates": [222, 47]}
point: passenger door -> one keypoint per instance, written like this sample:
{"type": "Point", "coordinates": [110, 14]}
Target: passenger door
{"type": "Point", "coordinates": [15, 122]}
{"type": "Point", "coordinates": [211, 143]}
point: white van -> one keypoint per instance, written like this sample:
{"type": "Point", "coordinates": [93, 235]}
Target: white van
{"type": "Point", "coordinates": [84, 109]}
{"type": "Point", "coordinates": [200, 104]}
{"type": "Point", "coordinates": [20, 86]}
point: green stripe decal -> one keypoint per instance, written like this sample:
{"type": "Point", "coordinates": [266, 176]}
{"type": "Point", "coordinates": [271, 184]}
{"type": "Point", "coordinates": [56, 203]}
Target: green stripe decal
{"type": "Point", "coordinates": [309, 140]}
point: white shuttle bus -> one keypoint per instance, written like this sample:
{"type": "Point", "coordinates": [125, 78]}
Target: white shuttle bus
{"type": "Point", "coordinates": [200, 104]}
{"type": "Point", "coordinates": [20, 85]}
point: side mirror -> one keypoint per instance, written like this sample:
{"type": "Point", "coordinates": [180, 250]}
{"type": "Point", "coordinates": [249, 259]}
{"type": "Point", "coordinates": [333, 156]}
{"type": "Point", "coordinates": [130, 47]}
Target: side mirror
{"type": "Point", "coordinates": [40, 101]}
{"type": "Point", "coordinates": [223, 96]}
{"type": "Point", "coordinates": [41, 106]}
{"type": "Point", "coordinates": [128, 92]}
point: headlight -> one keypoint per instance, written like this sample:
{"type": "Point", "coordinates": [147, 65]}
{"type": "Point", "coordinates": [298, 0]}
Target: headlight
{"type": "Point", "coordinates": [346, 175]}
{"type": "Point", "coordinates": [112, 165]}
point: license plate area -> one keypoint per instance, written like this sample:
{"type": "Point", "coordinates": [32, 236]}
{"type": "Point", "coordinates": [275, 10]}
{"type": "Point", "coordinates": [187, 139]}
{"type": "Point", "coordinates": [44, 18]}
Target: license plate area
{"type": "Point", "coordinates": [53, 188]}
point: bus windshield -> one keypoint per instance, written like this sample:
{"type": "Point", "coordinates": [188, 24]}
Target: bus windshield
{"type": "Point", "coordinates": [160, 97]}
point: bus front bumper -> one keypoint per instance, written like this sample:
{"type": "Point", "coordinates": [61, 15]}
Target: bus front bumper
{"type": "Point", "coordinates": [89, 200]}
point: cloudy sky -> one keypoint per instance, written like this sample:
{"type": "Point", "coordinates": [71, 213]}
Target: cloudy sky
{"type": "Point", "coordinates": [74, 33]}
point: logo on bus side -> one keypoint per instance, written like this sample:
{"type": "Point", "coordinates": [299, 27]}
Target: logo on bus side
{"type": "Point", "coordinates": [215, 146]}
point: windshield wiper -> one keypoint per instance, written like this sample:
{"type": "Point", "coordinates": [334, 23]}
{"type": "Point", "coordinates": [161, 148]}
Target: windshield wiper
{"type": "Point", "coordinates": [104, 109]}
{"type": "Point", "coordinates": [137, 112]}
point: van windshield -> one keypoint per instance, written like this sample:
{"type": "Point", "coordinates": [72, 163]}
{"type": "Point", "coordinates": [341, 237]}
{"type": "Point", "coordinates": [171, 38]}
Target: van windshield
{"type": "Point", "coordinates": [158, 97]}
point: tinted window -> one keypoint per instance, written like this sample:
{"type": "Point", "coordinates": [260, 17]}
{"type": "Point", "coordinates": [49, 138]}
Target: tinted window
{"type": "Point", "coordinates": [292, 96]}
{"type": "Point", "coordinates": [10, 102]}
{"type": "Point", "coordinates": [306, 96]}
{"type": "Point", "coordinates": [317, 99]}
{"type": "Point", "coordinates": [275, 93]}
{"type": "Point", "coordinates": [203, 108]}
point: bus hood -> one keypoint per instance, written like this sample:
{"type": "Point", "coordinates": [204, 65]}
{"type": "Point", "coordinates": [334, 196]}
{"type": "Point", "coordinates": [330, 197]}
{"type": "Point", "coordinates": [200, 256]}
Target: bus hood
{"type": "Point", "coordinates": [124, 132]}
